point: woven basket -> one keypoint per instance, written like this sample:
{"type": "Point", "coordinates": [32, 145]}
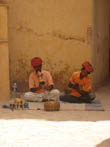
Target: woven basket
{"type": "Point", "coordinates": [52, 106]}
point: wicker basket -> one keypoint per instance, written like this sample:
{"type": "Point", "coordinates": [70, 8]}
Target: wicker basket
{"type": "Point", "coordinates": [52, 106]}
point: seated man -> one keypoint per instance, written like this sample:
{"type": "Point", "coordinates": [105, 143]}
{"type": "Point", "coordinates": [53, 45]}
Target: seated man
{"type": "Point", "coordinates": [80, 83]}
{"type": "Point", "coordinates": [40, 84]}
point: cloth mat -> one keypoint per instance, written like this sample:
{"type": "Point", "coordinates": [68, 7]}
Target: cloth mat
{"type": "Point", "coordinates": [94, 106]}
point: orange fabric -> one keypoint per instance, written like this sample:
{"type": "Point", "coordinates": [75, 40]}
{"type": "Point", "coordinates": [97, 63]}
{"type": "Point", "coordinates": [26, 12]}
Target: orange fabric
{"type": "Point", "coordinates": [34, 81]}
{"type": "Point", "coordinates": [85, 83]}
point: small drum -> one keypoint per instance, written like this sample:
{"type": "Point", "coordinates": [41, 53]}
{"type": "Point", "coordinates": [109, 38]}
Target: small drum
{"type": "Point", "coordinates": [51, 106]}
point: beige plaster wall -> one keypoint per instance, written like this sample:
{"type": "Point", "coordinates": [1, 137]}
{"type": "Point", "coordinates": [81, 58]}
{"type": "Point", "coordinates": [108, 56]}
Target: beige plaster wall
{"type": "Point", "coordinates": [59, 31]}
{"type": "Point", "coordinates": [100, 54]}
{"type": "Point", "coordinates": [4, 55]}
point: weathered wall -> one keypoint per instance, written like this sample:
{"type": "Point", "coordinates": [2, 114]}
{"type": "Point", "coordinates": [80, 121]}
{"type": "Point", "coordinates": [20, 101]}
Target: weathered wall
{"type": "Point", "coordinates": [100, 52]}
{"type": "Point", "coordinates": [59, 31]}
{"type": "Point", "coordinates": [4, 56]}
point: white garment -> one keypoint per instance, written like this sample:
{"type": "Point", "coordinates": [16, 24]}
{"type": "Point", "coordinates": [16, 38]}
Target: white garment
{"type": "Point", "coordinates": [32, 96]}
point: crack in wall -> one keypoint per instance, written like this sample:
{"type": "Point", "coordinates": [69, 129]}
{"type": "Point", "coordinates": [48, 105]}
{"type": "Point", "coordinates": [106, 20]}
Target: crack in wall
{"type": "Point", "coordinates": [56, 34]}
{"type": "Point", "coordinates": [29, 30]}
{"type": "Point", "coordinates": [68, 37]}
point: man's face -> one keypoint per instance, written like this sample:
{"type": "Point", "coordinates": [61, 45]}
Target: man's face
{"type": "Point", "coordinates": [84, 72]}
{"type": "Point", "coordinates": [38, 68]}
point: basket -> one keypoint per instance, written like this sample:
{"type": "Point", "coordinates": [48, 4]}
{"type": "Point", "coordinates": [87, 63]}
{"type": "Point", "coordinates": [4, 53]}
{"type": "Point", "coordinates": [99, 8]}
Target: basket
{"type": "Point", "coordinates": [51, 106]}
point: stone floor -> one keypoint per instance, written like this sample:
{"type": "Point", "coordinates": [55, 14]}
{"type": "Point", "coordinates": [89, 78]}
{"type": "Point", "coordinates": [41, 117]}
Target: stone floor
{"type": "Point", "coordinates": [38, 128]}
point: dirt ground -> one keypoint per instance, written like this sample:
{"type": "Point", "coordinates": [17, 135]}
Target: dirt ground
{"type": "Point", "coordinates": [30, 128]}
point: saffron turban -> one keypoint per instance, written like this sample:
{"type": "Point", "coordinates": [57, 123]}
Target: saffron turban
{"type": "Point", "coordinates": [88, 66]}
{"type": "Point", "coordinates": [36, 61]}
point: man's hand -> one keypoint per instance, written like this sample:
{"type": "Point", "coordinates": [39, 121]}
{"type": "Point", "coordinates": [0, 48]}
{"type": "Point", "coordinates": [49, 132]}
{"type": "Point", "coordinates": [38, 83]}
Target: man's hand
{"type": "Point", "coordinates": [35, 89]}
{"type": "Point", "coordinates": [77, 87]}
{"type": "Point", "coordinates": [49, 87]}
{"type": "Point", "coordinates": [74, 86]}
{"type": "Point", "coordinates": [67, 90]}
{"type": "Point", "coordinates": [42, 83]}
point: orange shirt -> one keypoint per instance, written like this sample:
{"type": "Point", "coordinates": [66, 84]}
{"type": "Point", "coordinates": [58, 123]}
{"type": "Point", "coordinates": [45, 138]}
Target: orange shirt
{"type": "Point", "coordinates": [34, 81]}
{"type": "Point", "coordinates": [84, 83]}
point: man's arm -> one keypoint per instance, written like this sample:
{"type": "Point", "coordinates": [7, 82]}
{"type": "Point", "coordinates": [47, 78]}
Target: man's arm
{"type": "Point", "coordinates": [74, 86]}
{"type": "Point", "coordinates": [77, 88]}
{"type": "Point", "coordinates": [35, 89]}
{"type": "Point", "coordinates": [83, 93]}
{"type": "Point", "coordinates": [50, 81]}
{"type": "Point", "coordinates": [34, 85]}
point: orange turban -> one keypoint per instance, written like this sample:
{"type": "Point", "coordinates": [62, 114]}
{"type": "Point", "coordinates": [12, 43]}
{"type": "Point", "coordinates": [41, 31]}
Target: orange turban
{"type": "Point", "coordinates": [36, 61]}
{"type": "Point", "coordinates": [88, 66]}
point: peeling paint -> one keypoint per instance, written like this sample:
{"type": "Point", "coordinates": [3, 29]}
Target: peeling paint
{"type": "Point", "coordinates": [60, 75]}
{"type": "Point", "coordinates": [20, 73]}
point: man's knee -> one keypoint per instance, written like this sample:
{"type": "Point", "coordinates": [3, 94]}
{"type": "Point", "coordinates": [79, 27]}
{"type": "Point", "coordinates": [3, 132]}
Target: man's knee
{"type": "Point", "coordinates": [54, 94]}
{"type": "Point", "coordinates": [55, 91]}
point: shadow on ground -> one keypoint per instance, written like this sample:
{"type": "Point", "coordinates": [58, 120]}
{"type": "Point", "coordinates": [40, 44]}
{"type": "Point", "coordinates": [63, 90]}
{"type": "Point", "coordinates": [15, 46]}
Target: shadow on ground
{"type": "Point", "coordinates": [105, 143]}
